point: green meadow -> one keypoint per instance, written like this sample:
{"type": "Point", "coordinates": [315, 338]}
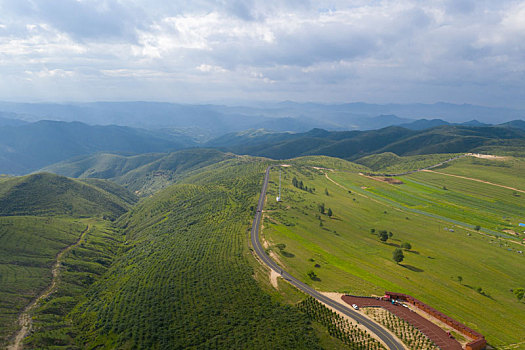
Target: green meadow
{"type": "Point", "coordinates": [464, 273]}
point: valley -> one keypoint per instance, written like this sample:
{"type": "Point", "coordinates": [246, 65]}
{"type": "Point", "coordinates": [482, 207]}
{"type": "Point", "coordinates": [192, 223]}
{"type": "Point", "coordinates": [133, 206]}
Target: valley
{"type": "Point", "coordinates": [175, 267]}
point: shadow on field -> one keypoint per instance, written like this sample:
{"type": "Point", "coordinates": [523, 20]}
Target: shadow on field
{"type": "Point", "coordinates": [413, 251]}
{"type": "Point", "coordinates": [392, 244]}
{"type": "Point", "coordinates": [412, 268]}
{"type": "Point", "coordinates": [287, 254]}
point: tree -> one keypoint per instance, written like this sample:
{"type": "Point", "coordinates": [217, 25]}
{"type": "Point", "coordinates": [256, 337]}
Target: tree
{"type": "Point", "coordinates": [398, 255]}
{"type": "Point", "coordinates": [321, 208]}
{"type": "Point", "coordinates": [372, 230]}
{"type": "Point", "coordinates": [390, 234]}
{"type": "Point", "coordinates": [460, 279]}
{"type": "Point", "coordinates": [406, 245]}
{"type": "Point", "coordinates": [383, 236]}
{"type": "Point", "coordinates": [519, 293]}
{"type": "Point", "coordinates": [477, 228]}
{"type": "Point", "coordinates": [329, 213]}
{"type": "Point", "coordinates": [295, 183]}
{"type": "Point", "coordinates": [326, 191]}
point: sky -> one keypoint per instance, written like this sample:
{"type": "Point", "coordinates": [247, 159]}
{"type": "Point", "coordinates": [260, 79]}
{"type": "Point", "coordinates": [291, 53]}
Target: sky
{"type": "Point", "coordinates": [200, 51]}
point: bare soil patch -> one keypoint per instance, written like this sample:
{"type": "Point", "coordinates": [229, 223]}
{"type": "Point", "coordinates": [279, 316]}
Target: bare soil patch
{"type": "Point", "coordinates": [273, 279]}
{"type": "Point", "coordinates": [388, 179]}
{"type": "Point", "coordinates": [511, 232]}
{"type": "Point", "coordinates": [487, 156]}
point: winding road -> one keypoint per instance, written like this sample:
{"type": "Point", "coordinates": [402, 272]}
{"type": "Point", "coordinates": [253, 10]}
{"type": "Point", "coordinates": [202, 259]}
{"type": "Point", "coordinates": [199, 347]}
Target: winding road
{"type": "Point", "coordinates": [375, 328]}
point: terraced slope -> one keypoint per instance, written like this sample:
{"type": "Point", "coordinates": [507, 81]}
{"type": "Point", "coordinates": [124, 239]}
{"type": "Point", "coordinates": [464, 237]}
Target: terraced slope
{"type": "Point", "coordinates": [47, 194]}
{"type": "Point", "coordinates": [185, 278]}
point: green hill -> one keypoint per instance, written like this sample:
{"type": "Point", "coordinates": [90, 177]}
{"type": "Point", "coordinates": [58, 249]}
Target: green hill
{"type": "Point", "coordinates": [389, 162]}
{"type": "Point", "coordinates": [353, 145]}
{"type": "Point", "coordinates": [185, 278]}
{"type": "Point", "coordinates": [47, 194]}
{"type": "Point", "coordinates": [142, 174]}
{"type": "Point", "coordinates": [41, 215]}
{"type": "Point", "coordinates": [28, 147]}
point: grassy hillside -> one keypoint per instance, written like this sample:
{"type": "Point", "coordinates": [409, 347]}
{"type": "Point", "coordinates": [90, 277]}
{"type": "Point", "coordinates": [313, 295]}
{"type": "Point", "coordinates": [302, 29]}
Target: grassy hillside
{"type": "Point", "coordinates": [464, 273]}
{"type": "Point", "coordinates": [101, 165]}
{"type": "Point", "coordinates": [190, 240]}
{"type": "Point", "coordinates": [28, 246]}
{"type": "Point", "coordinates": [391, 163]}
{"type": "Point", "coordinates": [41, 215]}
{"type": "Point", "coordinates": [47, 194]}
{"type": "Point", "coordinates": [142, 174]}
{"type": "Point", "coordinates": [82, 265]}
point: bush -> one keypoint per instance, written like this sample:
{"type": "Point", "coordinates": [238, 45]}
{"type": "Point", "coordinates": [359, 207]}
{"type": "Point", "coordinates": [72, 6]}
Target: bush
{"type": "Point", "coordinates": [406, 245]}
{"type": "Point", "coordinates": [398, 255]}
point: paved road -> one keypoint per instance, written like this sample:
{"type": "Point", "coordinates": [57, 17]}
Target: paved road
{"type": "Point", "coordinates": [386, 337]}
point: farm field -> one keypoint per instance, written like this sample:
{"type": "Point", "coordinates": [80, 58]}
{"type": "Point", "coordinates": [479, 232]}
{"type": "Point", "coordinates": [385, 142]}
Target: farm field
{"type": "Point", "coordinates": [464, 274]}
{"type": "Point", "coordinates": [492, 208]}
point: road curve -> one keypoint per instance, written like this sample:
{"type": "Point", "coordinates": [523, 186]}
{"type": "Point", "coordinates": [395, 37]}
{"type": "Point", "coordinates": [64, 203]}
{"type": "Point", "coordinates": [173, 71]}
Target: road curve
{"type": "Point", "coordinates": [375, 328]}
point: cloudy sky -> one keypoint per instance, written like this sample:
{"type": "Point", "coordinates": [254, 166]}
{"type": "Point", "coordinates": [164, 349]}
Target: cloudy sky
{"type": "Point", "coordinates": [461, 51]}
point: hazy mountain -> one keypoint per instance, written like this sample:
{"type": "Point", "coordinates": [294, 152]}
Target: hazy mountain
{"type": "Point", "coordinates": [422, 124]}
{"type": "Point", "coordinates": [355, 144]}
{"type": "Point", "coordinates": [29, 147]}
{"type": "Point", "coordinates": [520, 124]}
{"type": "Point", "coordinates": [203, 122]}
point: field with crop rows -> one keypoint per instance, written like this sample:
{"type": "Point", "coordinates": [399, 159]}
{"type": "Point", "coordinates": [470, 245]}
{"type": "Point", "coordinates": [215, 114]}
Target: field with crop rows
{"type": "Point", "coordinates": [451, 266]}
{"type": "Point", "coordinates": [80, 268]}
{"type": "Point", "coordinates": [338, 327]}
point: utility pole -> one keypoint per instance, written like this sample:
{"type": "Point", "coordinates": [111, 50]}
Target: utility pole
{"type": "Point", "coordinates": [279, 196]}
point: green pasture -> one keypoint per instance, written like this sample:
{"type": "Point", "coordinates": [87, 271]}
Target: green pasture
{"type": "Point", "coordinates": [509, 171]}
{"type": "Point", "coordinates": [345, 256]}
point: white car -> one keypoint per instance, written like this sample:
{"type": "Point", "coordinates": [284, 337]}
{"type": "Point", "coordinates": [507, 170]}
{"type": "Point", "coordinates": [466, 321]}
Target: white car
{"type": "Point", "coordinates": [355, 306]}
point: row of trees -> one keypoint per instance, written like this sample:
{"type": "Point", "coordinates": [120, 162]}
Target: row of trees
{"type": "Point", "coordinates": [324, 211]}
{"type": "Point", "coordinates": [300, 185]}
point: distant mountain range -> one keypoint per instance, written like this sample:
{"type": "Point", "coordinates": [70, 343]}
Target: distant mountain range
{"type": "Point", "coordinates": [203, 122]}
{"type": "Point", "coordinates": [273, 130]}
{"type": "Point", "coordinates": [352, 145]}
{"type": "Point", "coordinates": [28, 147]}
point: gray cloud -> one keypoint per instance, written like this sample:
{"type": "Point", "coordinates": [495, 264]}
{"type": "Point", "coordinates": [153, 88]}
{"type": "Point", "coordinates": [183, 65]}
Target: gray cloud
{"type": "Point", "coordinates": [205, 50]}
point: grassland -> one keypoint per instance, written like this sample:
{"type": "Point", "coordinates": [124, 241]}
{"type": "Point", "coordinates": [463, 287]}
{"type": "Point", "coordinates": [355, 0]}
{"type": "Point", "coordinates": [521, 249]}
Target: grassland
{"type": "Point", "coordinates": [28, 246]}
{"type": "Point", "coordinates": [345, 256]}
{"type": "Point", "coordinates": [391, 163]}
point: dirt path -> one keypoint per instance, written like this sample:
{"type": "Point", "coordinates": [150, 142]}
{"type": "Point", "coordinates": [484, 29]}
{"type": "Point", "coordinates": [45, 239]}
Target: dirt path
{"type": "Point", "coordinates": [477, 180]}
{"type": "Point", "coordinates": [24, 320]}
